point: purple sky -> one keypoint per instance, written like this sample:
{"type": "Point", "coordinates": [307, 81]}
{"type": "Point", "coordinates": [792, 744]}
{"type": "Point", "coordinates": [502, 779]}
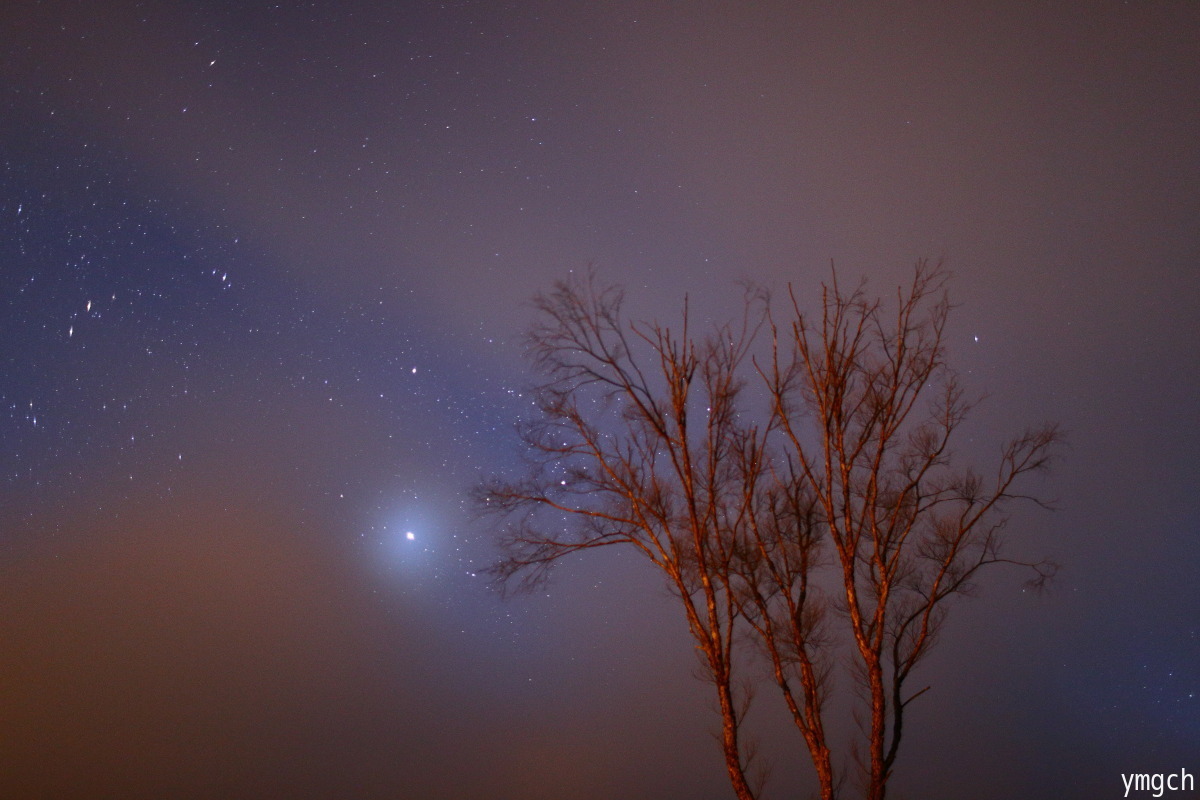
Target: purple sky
{"type": "Point", "coordinates": [264, 271]}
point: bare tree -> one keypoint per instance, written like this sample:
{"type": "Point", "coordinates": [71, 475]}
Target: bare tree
{"type": "Point", "coordinates": [829, 528]}
{"type": "Point", "coordinates": [867, 407]}
{"type": "Point", "coordinates": [624, 452]}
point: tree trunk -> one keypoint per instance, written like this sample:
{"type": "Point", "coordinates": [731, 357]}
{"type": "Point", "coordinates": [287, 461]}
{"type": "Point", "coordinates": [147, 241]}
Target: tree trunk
{"type": "Point", "coordinates": [877, 788]}
{"type": "Point", "coordinates": [729, 743]}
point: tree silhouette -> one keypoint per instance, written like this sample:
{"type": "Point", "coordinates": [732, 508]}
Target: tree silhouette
{"type": "Point", "coordinates": [823, 527]}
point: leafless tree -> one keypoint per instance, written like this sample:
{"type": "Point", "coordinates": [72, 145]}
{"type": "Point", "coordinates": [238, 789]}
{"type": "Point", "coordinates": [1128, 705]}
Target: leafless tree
{"type": "Point", "coordinates": [867, 407]}
{"type": "Point", "coordinates": [628, 452]}
{"type": "Point", "coordinates": [827, 528]}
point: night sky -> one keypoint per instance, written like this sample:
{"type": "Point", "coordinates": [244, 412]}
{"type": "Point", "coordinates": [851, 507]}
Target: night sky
{"type": "Point", "coordinates": [264, 270]}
